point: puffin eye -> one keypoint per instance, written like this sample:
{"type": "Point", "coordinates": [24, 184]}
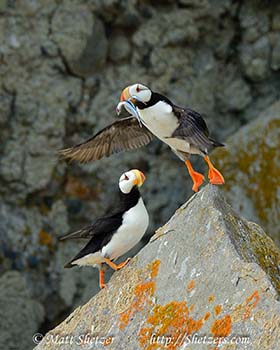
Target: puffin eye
{"type": "Point", "coordinates": [138, 88]}
{"type": "Point", "coordinates": [126, 177]}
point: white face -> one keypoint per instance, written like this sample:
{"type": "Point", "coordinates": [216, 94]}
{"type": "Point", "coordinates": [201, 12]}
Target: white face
{"type": "Point", "coordinates": [130, 179]}
{"type": "Point", "coordinates": [141, 91]}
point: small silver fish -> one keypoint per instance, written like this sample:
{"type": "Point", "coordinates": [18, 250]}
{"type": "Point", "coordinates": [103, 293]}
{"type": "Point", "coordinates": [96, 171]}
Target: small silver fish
{"type": "Point", "coordinates": [129, 106]}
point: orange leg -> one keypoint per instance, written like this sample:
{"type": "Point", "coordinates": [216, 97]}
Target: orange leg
{"type": "Point", "coordinates": [115, 266]}
{"type": "Point", "coordinates": [196, 177]}
{"type": "Point", "coordinates": [215, 177]}
{"type": "Point", "coordinates": [101, 279]}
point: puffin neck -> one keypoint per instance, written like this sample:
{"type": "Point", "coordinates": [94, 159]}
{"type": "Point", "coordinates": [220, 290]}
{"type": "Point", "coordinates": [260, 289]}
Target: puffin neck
{"type": "Point", "coordinates": [155, 98]}
{"type": "Point", "coordinates": [129, 200]}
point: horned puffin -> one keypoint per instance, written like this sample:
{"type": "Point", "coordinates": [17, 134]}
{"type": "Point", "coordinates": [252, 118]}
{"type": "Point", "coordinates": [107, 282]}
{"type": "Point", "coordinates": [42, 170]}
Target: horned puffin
{"type": "Point", "coordinates": [113, 235]}
{"type": "Point", "coordinates": [182, 129]}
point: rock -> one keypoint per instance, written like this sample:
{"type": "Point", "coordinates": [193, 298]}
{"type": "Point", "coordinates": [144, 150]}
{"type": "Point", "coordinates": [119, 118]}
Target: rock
{"type": "Point", "coordinates": [251, 165]}
{"type": "Point", "coordinates": [206, 272]}
{"type": "Point", "coordinates": [80, 37]}
{"type": "Point", "coordinates": [119, 48]}
{"type": "Point", "coordinates": [275, 58]}
{"type": "Point", "coordinates": [155, 32]}
{"type": "Point", "coordinates": [124, 14]}
{"type": "Point", "coordinates": [255, 49]}
{"type": "Point", "coordinates": [29, 243]}
{"type": "Point", "coordinates": [234, 94]}
{"type": "Point", "coordinates": [255, 59]}
{"type": "Point", "coordinates": [35, 133]}
{"type": "Point", "coordinates": [17, 309]}
{"type": "Point", "coordinates": [196, 3]}
{"type": "Point", "coordinates": [276, 21]}
{"type": "Point", "coordinates": [254, 21]}
{"type": "Point", "coordinates": [6, 101]}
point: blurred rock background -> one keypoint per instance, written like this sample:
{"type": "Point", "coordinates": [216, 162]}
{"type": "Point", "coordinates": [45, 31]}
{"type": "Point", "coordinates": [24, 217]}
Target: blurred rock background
{"type": "Point", "coordinates": [62, 67]}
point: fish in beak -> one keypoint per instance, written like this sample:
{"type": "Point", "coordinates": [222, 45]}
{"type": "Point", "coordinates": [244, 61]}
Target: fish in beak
{"type": "Point", "coordinates": [128, 104]}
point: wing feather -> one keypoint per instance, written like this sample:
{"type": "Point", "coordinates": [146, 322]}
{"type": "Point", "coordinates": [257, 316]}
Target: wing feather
{"type": "Point", "coordinates": [124, 134]}
{"type": "Point", "coordinates": [193, 129]}
{"type": "Point", "coordinates": [101, 226]}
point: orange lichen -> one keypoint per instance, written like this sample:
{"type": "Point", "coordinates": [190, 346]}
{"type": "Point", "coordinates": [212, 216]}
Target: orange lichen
{"type": "Point", "coordinates": [190, 285]}
{"type": "Point", "coordinates": [171, 319]}
{"type": "Point", "coordinates": [74, 187]}
{"type": "Point", "coordinates": [222, 327]}
{"type": "Point", "coordinates": [251, 303]}
{"type": "Point", "coordinates": [217, 309]}
{"type": "Point", "coordinates": [211, 298]}
{"type": "Point", "coordinates": [142, 296]}
{"type": "Point", "coordinates": [45, 238]}
{"type": "Point", "coordinates": [154, 266]}
{"type": "Point", "coordinates": [191, 307]}
{"type": "Point", "coordinates": [206, 316]}
{"type": "Point", "coordinates": [143, 293]}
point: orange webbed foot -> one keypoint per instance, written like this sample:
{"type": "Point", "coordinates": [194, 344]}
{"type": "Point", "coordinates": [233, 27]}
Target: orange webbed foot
{"type": "Point", "coordinates": [121, 265]}
{"type": "Point", "coordinates": [215, 177]}
{"type": "Point", "coordinates": [116, 266]}
{"type": "Point", "coordinates": [196, 177]}
{"type": "Point", "coordinates": [197, 180]}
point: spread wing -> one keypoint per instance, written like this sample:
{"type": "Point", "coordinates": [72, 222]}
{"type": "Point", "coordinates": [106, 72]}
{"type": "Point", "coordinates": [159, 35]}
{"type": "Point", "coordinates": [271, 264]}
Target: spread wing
{"type": "Point", "coordinates": [193, 129]}
{"type": "Point", "coordinates": [101, 227]}
{"type": "Point", "coordinates": [124, 134]}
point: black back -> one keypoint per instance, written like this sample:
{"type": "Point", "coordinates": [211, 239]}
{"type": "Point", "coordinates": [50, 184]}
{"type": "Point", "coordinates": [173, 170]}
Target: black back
{"type": "Point", "coordinates": [191, 128]}
{"type": "Point", "coordinates": [155, 98]}
{"type": "Point", "coordinates": [102, 230]}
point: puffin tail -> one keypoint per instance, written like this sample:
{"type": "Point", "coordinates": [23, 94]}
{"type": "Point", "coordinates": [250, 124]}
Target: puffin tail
{"type": "Point", "coordinates": [216, 143]}
{"type": "Point", "coordinates": [83, 233]}
{"type": "Point", "coordinates": [69, 265]}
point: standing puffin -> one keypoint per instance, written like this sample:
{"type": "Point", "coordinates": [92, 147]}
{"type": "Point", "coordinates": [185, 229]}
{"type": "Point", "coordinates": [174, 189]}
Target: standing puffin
{"type": "Point", "coordinates": [113, 235]}
{"type": "Point", "coordinates": [182, 129]}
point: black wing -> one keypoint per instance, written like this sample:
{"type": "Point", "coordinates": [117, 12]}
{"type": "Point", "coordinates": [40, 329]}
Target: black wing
{"type": "Point", "coordinates": [193, 129]}
{"type": "Point", "coordinates": [124, 134]}
{"type": "Point", "coordinates": [94, 245]}
{"type": "Point", "coordinates": [101, 227]}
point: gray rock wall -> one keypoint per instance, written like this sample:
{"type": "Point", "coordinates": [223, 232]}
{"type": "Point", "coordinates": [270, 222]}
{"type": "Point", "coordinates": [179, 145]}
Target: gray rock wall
{"type": "Point", "coordinates": [62, 67]}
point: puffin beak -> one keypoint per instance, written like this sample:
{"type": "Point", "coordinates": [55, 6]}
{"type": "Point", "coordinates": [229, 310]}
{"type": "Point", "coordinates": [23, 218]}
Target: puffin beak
{"type": "Point", "coordinates": [125, 95]}
{"type": "Point", "coordinates": [140, 177]}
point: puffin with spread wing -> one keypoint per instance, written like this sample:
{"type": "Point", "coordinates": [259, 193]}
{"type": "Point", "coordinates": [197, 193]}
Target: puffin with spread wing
{"type": "Point", "coordinates": [182, 129]}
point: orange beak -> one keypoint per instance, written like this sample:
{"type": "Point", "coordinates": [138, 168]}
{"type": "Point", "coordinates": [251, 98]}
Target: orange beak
{"type": "Point", "coordinates": [125, 95]}
{"type": "Point", "coordinates": [140, 177]}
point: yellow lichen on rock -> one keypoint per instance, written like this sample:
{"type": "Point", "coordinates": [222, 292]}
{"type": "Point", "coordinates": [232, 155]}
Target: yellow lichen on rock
{"type": "Point", "coordinates": [250, 163]}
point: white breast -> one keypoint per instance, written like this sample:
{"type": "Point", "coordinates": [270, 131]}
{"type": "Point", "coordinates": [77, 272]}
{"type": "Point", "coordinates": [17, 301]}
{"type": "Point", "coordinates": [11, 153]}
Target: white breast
{"type": "Point", "coordinates": [161, 121]}
{"type": "Point", "coordinates": [134, 225]}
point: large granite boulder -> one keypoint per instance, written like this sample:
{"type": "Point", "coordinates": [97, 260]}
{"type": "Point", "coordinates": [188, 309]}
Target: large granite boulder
{"type": "Point", "coordinates": [207, 273]}
{"type": "Point", "coordinates": [251, 164]}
